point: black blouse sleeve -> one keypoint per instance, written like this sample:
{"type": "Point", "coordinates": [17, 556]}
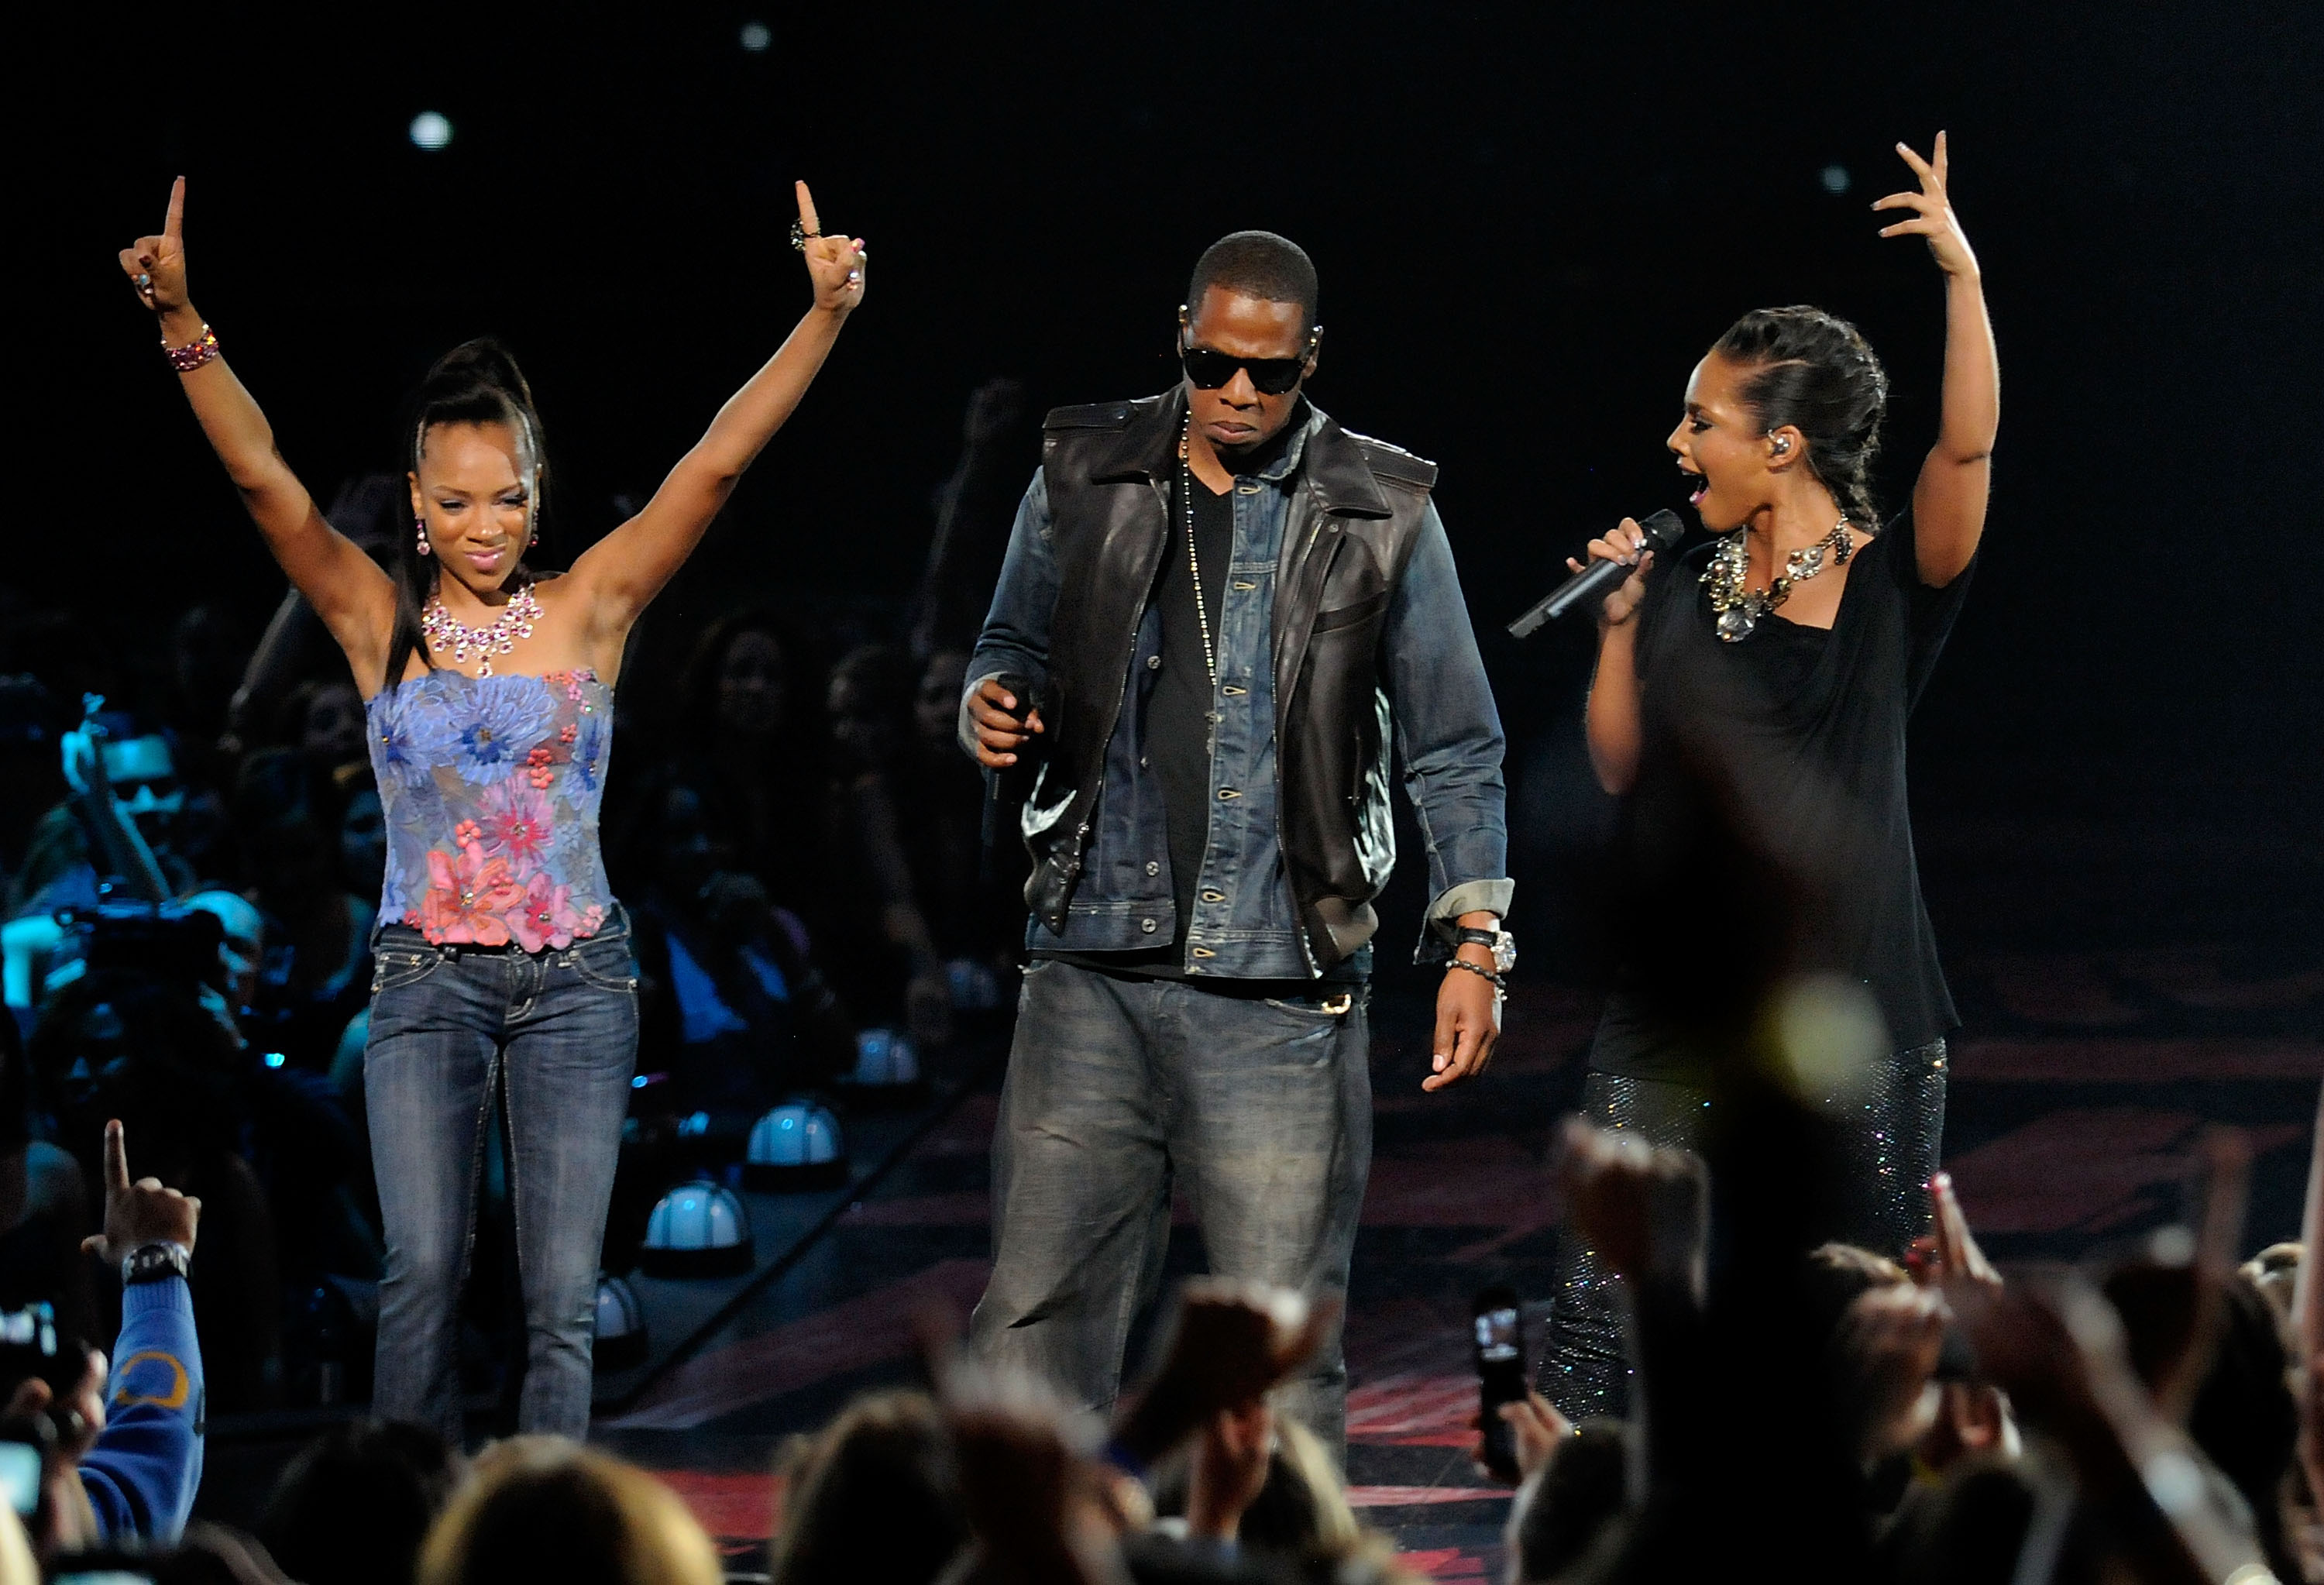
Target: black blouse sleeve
{"type": "Point", "coordinates": [1929, 613]}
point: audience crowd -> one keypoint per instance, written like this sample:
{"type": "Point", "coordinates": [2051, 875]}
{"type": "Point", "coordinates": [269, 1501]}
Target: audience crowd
{"type": "Point", "coordinates": [190, 848]}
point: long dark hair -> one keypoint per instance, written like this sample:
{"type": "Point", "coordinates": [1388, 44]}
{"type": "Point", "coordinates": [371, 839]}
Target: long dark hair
{"type": "Point", "coordinates": [1815, 372]}
{"type": "Point", "coordinates": [476, 382]}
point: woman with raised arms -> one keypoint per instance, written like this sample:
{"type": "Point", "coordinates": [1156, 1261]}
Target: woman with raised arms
{"type": "Point", "coordinates": [502, 961]}
{"type": "Point", "coordinates": [1782, 661]}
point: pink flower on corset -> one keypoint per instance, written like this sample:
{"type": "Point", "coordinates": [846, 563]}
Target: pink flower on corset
{"type": "Point", "coordinates": [518, 824]}
{"type": "Point", "coordinates": [466, 895]}
{"type": "Point", "coordinates": [545, 916]}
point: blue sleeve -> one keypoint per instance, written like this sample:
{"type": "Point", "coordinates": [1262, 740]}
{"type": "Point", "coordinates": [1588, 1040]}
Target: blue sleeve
{"type": "Point", "coordinates": [1449, 736]}
{"type": "Point", "coordinates": [1016, 636]}
{"type": "Point", "coordinates": [141, 1474]}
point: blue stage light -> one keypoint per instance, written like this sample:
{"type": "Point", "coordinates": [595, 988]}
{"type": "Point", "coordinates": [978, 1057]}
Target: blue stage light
{"type": "Point", "coordinates": [757, 36]}
{"type": "Point", "coordinates": [1835, 179]}
{"type": "Point", "coordinates": [430, 130]}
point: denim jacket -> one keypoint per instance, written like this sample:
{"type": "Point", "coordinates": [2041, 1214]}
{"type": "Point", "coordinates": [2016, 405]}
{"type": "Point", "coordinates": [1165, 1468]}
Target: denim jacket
{"type": "Point", "coordinates": [1433, 705]}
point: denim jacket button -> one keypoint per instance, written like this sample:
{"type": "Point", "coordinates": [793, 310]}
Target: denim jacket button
{"type": "Point", "coordinates": [1148, 926]}
{"type": "Point", "coordinates": [1154, 663]}
{"type": "Point", "coordinates": [1153, 867]}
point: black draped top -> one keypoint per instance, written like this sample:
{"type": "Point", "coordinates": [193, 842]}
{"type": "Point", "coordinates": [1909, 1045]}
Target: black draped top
{"type": "Point", "coordinates": [1808, 726]}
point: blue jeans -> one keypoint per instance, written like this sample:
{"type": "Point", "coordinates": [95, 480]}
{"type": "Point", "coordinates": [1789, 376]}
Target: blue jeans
{"type": "Point", "coordinates": [1262, 1109]}
{"type": "Point", "coordinates": [556, 1032]}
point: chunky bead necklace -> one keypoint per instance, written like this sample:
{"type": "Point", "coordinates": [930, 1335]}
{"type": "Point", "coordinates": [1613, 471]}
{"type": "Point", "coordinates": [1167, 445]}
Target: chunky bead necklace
{"type": "Point", "coordinates": [1739, 608]}
{"type": "Point", "coordinates": [446, 632]}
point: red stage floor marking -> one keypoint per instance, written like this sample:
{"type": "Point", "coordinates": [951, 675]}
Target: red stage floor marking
{"type": "Point", "coordinates": [867, 1330]}
{"type": "Point", "coordinates": [2127, 1060]}
{"type": "Point", "coordinates": [2088, 1170]}
{"type": "Point", "coordinates": [732, 1507]}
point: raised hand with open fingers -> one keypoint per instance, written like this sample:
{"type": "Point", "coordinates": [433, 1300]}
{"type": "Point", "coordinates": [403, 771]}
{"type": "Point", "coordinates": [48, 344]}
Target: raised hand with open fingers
{"type": "Point", "coordinates": [1933, 218]}
{"type": "Point", "coordinates": [834, 264]}
{"type": "Point", "coordinates": [156, 265]}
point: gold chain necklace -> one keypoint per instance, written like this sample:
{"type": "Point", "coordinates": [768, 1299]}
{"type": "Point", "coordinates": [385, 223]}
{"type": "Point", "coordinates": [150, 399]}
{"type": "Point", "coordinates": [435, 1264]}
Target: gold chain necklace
{"type": "Point", "coordinates": [1187, 493]}
{"type": "Point", "coordinates": [1739, 608]}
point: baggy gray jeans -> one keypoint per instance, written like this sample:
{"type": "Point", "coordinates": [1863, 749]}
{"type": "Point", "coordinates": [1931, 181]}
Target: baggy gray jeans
{"type": "Point", "coordinates": [1117, 1088]}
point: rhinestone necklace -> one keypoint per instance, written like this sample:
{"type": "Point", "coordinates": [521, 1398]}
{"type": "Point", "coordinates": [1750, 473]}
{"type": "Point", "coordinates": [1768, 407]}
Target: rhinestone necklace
{"type": "Point", "coordinates": [1187, 494]}
{"type": "Point", "coordinates": [446, 632]}
{"type": "Point", "coordinates": [1739, 608]}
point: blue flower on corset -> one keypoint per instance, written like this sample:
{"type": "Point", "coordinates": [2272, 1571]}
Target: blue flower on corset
{"type": "Point", "coordinates": [496, 722]}
{"type": "Point", "coordinates": [411, 733]}
{"type": "Point", "coordinates": [588, 745]}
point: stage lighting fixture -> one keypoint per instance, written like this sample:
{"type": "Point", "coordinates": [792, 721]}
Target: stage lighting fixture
{"type": "Point", "coordinates": [757, 36]}
{"type": "Point", "coordinates": [1835, 179]}
{"type": "Point", "coordinates": [430, 130]}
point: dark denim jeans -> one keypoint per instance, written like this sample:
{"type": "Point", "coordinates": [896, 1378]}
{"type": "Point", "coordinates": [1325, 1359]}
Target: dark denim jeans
{"type": "Point", "coordinates": [556, 1032]}
{"type": "Point", "coordinates": [1262, 1110]}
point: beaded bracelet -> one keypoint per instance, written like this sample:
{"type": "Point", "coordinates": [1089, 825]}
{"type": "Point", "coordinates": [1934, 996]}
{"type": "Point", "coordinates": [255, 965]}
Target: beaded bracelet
{"type": "Point", "coordinates": [186, 359]}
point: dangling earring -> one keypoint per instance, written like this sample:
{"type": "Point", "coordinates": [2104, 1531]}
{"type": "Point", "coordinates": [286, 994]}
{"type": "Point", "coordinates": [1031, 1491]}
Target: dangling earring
{"type": "Point", "coordinates": [423, 523]}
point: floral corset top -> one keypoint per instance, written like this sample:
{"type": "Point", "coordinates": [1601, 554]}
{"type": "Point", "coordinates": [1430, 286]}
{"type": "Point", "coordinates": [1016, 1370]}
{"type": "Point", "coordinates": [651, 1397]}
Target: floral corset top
{"type": "Point", "coordinates": [490, 787]}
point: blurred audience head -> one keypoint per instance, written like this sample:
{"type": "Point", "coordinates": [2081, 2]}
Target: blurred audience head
{"type": "Point", "coordinates": [243, 949]}
{"type": "Point", "coordinates": [1560, 1513]}
{"type": "Point", "coordinates": [353, 1508]}
{"type": "Point", "coordinates": [323, 719]}
{"type": "Point", "coordinates": [2244, 1415]}
{"type": "Point", "coordinates": [749, 675]}
{"type": "Point", "coordinates": [873, 1496]}
{"type": "Point", "coordinates": [207, 654]}
{"type": "Point", "coordinates": [936, 708]}
{"type": "Point", "coordinates": [870, 696]}
{"type": "Point", "coordinates": [542, 1507]}
{"type": "Point", "coordinates": [289, 853]}
{"type": "Point", "coordinates": [363, 834]}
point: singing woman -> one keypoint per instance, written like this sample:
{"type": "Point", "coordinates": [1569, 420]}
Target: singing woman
{"type": "Point", "coordinates": [502, 965]}
{"type": "Point", "coordinates": [1788, 653]}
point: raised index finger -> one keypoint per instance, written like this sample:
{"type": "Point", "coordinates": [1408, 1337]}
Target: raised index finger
{"type": "Point", "coordinates": [116, 1160]}
{"type": "Point", "coordinates": [171, 226]}
{"type": "Point", "coordinates": [808, 221]}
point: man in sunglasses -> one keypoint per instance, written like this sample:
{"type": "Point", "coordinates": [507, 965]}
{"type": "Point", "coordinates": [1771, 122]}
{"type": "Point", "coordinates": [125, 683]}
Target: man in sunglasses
{"type": "Point", "coordinates": [1218, 612]}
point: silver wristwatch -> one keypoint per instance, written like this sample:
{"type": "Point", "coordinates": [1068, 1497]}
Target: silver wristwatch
{"type": "Point", "coordinates": [1504, 947]}
{"type": "Point", "coordinates": [152, 1262]}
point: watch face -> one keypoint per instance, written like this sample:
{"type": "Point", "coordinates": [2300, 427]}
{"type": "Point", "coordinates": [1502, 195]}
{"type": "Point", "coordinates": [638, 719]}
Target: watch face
{"type": "Point", "coordinates": [1505, 951]}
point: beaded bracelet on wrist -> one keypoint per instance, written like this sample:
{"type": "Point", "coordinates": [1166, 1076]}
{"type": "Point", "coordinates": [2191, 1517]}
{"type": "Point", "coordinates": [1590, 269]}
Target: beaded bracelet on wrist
{"type": "Point", "coordinates": [186, 359]}
{"type": "Point", "coordinates": [1499, 984]}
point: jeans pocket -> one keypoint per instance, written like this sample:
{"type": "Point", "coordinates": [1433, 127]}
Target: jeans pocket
{"type": "Point", "coordinates": [1324, 1008]}
{"type": "Point", "coordinates": [394, 967]}
{"type": "Point", "coordinates": [605, 962]}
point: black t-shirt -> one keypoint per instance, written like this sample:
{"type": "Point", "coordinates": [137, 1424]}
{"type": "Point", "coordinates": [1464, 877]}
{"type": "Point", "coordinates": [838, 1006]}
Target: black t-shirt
{"type": "Point", "coordinates": [1808, 726]}
{"type": "Point", "coordinates": [1178, 711]}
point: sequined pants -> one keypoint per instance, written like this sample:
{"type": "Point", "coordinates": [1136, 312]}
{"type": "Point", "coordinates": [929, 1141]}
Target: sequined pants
{"type": "Point", "coordinates": [1585, 1366]}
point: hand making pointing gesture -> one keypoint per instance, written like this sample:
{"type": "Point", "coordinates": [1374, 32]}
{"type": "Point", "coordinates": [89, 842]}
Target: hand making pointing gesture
{"type": "Point", "coordinates": [156, 265]}
{"type": "Point", "coordinates": [834, 264]}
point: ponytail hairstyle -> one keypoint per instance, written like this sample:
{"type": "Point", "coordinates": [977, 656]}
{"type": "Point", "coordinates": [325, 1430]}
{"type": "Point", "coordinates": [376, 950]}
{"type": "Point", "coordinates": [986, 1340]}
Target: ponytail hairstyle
{"type": "Point", "coordinates": [476, 382]}
{"type": "Point", "coordinates": [1814, 372]}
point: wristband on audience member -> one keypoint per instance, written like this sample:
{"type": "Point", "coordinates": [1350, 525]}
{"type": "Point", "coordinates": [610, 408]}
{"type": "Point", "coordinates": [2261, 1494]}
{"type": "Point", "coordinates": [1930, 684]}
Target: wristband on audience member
{"type": "Point", "coordinates": [152, 1262]}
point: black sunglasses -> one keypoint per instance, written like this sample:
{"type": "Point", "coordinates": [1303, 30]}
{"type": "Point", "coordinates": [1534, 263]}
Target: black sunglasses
{"type": "Point", "coordinates": [1209, 368]}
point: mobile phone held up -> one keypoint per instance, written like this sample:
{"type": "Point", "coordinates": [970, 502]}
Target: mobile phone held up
{"type": "Point", "coordinates": [1499, 1338]}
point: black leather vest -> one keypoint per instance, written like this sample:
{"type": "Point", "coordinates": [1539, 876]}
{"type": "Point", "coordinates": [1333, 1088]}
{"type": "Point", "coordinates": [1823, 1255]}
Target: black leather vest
{"type": "Point", "coordinates": [1354, 517]}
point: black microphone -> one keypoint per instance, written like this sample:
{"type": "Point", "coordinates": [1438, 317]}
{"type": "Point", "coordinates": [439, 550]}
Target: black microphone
{"type": "Point", "coordinates": [1595, 582]}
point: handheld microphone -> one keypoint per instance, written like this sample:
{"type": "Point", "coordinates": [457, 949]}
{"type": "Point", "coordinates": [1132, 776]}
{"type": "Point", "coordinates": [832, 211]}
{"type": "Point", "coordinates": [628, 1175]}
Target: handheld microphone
{"type": "Point", "coordinates": [1595, 582]}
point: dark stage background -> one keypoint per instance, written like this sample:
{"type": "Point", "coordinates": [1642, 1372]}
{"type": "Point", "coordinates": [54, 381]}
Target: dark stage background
{"type": "Point", "coordinates": [1528, 223]}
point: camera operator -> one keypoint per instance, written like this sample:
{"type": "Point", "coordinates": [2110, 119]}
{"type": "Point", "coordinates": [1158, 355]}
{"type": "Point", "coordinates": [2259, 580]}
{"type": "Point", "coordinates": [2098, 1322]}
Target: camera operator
{"type": "Point", "coordinates": [131, 1476]}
